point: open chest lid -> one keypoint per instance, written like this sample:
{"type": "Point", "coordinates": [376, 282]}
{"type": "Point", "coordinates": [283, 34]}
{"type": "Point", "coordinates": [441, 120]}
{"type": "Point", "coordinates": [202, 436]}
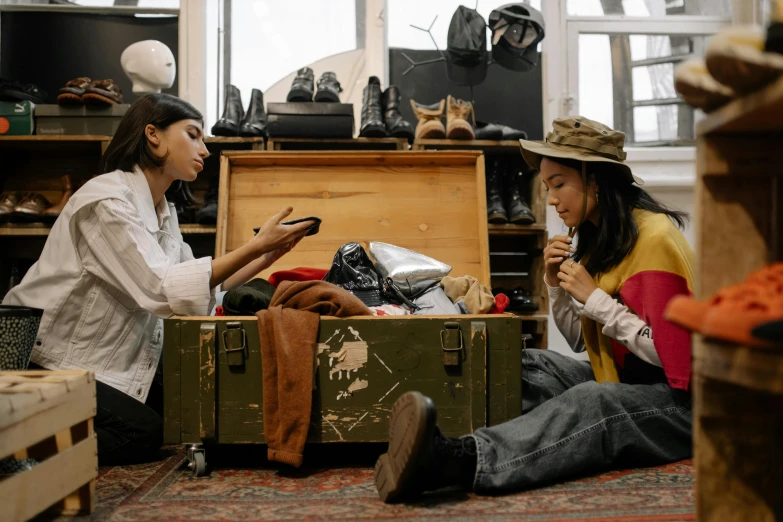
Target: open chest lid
{"type": "Point", "coordinates": [433, 202]}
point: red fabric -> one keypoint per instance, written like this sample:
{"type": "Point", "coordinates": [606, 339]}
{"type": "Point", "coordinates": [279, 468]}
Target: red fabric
{"type": "Point", "coordinates": [647, 294]}
{"type": "Point", "coordinates": [297, 274]}
{"type": "Point", "coordinates": [219, 311]}
{"type": "Point", "coordinates": [501, 303]}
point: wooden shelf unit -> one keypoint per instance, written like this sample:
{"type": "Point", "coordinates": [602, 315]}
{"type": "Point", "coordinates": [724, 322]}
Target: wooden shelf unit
{"type": "Point", "coordinates": [738, 390]}
{"type": "Point", "coordinates": [497, 146]}
{"type": "Point", "coordinates": [337, 144]}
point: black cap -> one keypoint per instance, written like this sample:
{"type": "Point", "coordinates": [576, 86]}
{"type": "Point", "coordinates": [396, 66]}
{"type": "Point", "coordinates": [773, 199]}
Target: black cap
{"type": "Point", "coordinates": [467, 60]}
{"type": "Point", "coordinates": [517, 30]}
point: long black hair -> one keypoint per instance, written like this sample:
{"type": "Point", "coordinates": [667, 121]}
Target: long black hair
{"type": "Point", "coordinates": [129, 146]}
{"type": "Point", "coordinates": [606, 245]}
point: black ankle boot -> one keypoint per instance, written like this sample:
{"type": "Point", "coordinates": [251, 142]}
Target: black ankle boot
{"type": "Point", "coordinates": [328, 88]}
{"type": "Point", "coordinates": [395, 125]}
{"type": "Point", "coordinates": [207, 214]}
{"type": "Point", "coordinates": [519, 212]}
{"type": "Point", "coordinates": [496, 212]}
{"type": "Point", "coordinates": [372, 118]}
{"type": "Point", "coordinates": [302, 86]}
{"type": "Point", "coordinates": [254, 123]}
{"type": "Point", "coordinates": [233, 112]}
{"type": "Point", "coordinates": [419, 457]}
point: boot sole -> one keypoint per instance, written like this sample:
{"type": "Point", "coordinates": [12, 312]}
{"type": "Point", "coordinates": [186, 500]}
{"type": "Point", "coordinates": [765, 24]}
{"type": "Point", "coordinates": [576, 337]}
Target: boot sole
{"type": "Point", "coordinates": [432, 130]}
{"type": "Point", "coordinates": [458, 130]}
{"type": "Point", "coordinates": [299, 95]}
{"type": "Point", "coordinates": [524, 220]}
{"type": "Point", "coordinates": [374, 131]}
{"type": "Point", "coordinates": [411, 425]}
{"type": "Point", "coordinates": [497, 219]}
{"type": "Point", "coordinates": [222, 129]}
{"type": "Point", "coordinates": [326, 97]}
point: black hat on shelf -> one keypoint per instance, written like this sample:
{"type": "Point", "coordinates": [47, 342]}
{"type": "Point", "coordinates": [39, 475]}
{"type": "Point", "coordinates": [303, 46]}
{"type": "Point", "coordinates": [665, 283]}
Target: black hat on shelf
{"type": "Point", "coordinates": [466, 48]}
{"type": "Point", "coordinates": [517, 30]}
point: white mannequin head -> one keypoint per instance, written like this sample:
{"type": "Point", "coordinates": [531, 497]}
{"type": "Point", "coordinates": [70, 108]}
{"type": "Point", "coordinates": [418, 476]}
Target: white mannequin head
{"type": "Point", "coordinates": [150, 65]}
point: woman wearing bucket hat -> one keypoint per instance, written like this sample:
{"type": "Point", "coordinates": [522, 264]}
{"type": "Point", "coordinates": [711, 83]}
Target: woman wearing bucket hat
{"type": "Point", "coordinates": [630, 404]}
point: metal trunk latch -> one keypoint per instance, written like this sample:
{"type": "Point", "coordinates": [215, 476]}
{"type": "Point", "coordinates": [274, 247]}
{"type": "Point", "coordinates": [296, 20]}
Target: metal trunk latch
{"type": "Point", "coordinates": [235, 343]}
{"type": "Point", "coordinates": [451, 343]}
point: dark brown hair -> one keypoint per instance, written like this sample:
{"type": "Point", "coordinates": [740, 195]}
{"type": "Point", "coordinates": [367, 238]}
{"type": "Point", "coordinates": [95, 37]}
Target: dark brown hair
{"type": "Point", "coordinates": [129, 145]}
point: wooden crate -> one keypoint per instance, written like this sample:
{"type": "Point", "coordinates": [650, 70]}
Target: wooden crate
{"type": "Point", "coordinates": [738, 390]}
{"type": "Point", "coordinates": [48, 416]}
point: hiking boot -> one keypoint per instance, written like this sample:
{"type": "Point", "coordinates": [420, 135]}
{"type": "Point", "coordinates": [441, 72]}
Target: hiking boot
{"type": "Point", "coordinates": [302, 88]}
{"type": "Point", "coordinates": [254, 123]}
{"type": "Point", "coordinates": [396, 126]}
{"type": "Point", "coordinates": [457, 125]}
{"type": "Point", "coordinates": [430, 126]}
{"type": "Point", "coordinates": [419, 457]}
{"type": "Point", "coordinates": [496, 212]}
{"type": "Point", "coordinates": [233, 113]}
{"type": "Point", "coordinates": [700, 90]}
{"type": "Point", "coordinates": [518, 210]}
{"type": "Point", "coordinates": [735, 57]}
{"type": "Point", "coordinates": [328, 88]}
{"type": "Point", "coordinates": [372, 118]}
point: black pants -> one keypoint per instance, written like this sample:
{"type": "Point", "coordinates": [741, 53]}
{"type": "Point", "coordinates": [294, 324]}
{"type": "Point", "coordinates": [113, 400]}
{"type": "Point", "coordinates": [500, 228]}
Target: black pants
{"type": "Point", "coordinates": [129, 432]}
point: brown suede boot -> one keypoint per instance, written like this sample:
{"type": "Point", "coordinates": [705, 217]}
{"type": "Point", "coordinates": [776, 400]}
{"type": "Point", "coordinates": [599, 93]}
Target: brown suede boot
{"type": "Point", "coordinates": [430, 126]}
{"type": "Point", "coordinates": [457, 125]}
{"type": "Point", "coordinates": [52, 213]}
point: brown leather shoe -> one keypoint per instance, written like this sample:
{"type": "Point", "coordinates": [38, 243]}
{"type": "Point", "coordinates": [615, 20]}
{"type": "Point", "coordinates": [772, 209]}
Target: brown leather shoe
{"type": "Point", "coordinates": [8, 201]}
{"type": "Point", "coordinates": [72, 92]}
{"type": "Point", "coordinates": [52, 213]}
{"type": "Point", "coordinates": [430, 126]}
{"type": "Point", "coordinates": [457, 125]}
{"type": "Point", "coordinates": [31, 208]}
{"type": "Point", "coordinates": [102, 92]}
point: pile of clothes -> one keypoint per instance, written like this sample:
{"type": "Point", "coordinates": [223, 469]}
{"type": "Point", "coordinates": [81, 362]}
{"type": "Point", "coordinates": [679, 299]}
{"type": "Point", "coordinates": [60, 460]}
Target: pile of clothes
{"type": "Point", "coordinates": [398, 282]}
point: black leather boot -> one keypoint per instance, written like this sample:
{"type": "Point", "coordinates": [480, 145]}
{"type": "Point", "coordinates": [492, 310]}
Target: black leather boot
{"type": "Point", "coordinates": [496, 212]}
{"type": "Point", "coordinates": [372, 118]}
{"type": "Point", "coordinates": [254, 123]}
{"type": "Point", "coordinates": [419, 457]}
{"type": "Point", "coordinates": [233, 112]}
{"type": "Point", "coordinates": [519, 212]}
{"type": "Point", "coordinates": [328, 88]}
{"type": "Point", "coordinates": [302, 88]}
{"type": "Point", "coordinates": [395, 125]}
{"type": "Point", "coordinates": [207, 214]}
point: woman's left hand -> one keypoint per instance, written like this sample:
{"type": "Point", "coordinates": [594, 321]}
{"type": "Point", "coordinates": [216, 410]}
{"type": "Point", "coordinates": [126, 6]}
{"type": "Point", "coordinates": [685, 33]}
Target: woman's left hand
{"type": "Point", "coordinates": [575, 280]}
{"type": "Point", "coordinates": [270, 258]}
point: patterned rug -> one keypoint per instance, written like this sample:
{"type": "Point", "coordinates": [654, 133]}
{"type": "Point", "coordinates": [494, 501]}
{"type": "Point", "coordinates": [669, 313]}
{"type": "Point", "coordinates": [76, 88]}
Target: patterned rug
{"type": "Point", "coordinates": [167, 491]}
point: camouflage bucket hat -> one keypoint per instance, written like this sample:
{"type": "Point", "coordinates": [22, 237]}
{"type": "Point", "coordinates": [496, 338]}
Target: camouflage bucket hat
{"type": "Point", "coordinates": [581, 139]}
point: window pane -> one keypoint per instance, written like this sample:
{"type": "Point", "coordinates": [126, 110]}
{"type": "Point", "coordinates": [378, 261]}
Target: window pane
{"type": "Point", "coordinates": [627, 82]}
{"type": "Point", "coordinates": [404, 13]}
{"type": "Point", "coordinates": [649, 7]}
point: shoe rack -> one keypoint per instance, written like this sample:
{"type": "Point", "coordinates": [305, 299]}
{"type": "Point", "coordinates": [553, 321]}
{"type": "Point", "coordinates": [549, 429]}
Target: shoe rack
{"type": "Point", "coordinates": [337, 144]}
{"type": "Point", "coordinates": [516, 251]}
{"type": "Point", "coordinates": [738, 390]}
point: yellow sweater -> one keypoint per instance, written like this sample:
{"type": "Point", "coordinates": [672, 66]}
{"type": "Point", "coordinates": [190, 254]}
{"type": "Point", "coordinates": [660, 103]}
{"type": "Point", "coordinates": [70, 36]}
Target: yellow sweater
{"type": "Point", "coordinates": [658, 267]}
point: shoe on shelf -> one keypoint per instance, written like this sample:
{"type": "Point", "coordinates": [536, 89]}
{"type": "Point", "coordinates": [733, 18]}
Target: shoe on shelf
{"type": "Point", "coordinates": [735, 57]}
{"type": "Point", "coordinates": [17, 91]}
{"type": "Point", "coordinates": [9, 201]}
{"type": "Point", "coordinates": [72, 91]}
{"type": "Point", "coordinates": [302, 88]}
{"type": "Point", "coordinates": [372, 117]}
{"type": "Point", "coordinates": [496, 211]}
{"type": "Point", "coordinates": [429, 126]}
{"type": "Point", "coordinates": [51, 214]}
{"type": "Point", "coordinates": [207, 214]}
{"type": "Point", "coordinates": [254, 122]}
{"type": "Point", "coordinates": [735, 311]}
{"type": "Point", "coordinates": [698, 89]}
{"type": "Point", "coordinates": [495, 131]}
{"type": "Point", "coordinates": [457, 125]}
{"type": "Point", "coordinates": [419, 457]}
{"type": "Point", "coordinates": [396, 126]}
{"type": "Point", "coordinates": [233, 114]}
{"type": "Point", "coordinates": [521, 301]}
{"type": "Point", "coordinates": [102, 93]}
{"type": "Point", "coordinates": [517, 208]}
{"type": "Point", "coordinates": [328, 88]}
{"type": "Point", "coordinates": [31, 208]}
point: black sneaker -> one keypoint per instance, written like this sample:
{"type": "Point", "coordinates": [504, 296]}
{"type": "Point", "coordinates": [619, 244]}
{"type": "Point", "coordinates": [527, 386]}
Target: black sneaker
{"type": "Point", "coordinates": [419, 457]}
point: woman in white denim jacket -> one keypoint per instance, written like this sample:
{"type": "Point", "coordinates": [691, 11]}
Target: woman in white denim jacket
{"type": "Point", "coordinates": [115, 264]}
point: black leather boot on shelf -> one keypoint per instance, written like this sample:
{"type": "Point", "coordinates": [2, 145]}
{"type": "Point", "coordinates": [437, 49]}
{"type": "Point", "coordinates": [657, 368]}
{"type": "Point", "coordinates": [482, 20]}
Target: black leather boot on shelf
{"type": "Point", "coordinates": [179, 193]}
{"type": "Point", "coordinates": [233, 112]}
{"type": "Point", "coordinates": [395, 125]}
{"type": "Point", "coordinates": [207, 214]}
{"type": "Point", "coordinates": [372, 117]}
{"type": "Point", "coordinates": [328, 88]}
{"type": "Point", "coordinates": [496, 212]}
{"type": "Point", "coordinates": [302, 88]}
{"type": "Point", "coordinates": [519, 212]}
{"type": "Point", "coordinates": [254, 123]}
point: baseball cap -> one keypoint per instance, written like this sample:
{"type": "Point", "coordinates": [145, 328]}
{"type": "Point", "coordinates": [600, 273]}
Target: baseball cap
{"type": "Point", "coordinates": [516, 31]}
{"type": "Point", "coordinates": [467, 58]}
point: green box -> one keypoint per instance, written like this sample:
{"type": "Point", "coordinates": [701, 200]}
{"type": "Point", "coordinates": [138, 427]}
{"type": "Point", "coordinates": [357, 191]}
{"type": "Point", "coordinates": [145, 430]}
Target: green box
{"type": "Point", "coordinates": [16, 118]}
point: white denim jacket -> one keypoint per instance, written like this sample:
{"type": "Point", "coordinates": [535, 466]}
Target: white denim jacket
{"type": "Point", "coordinates": [112, 267]}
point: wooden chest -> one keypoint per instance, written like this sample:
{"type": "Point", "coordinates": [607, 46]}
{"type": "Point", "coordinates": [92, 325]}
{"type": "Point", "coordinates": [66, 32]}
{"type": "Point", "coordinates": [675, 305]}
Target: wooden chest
{"type": "Point", "coordinates": [431, 202]}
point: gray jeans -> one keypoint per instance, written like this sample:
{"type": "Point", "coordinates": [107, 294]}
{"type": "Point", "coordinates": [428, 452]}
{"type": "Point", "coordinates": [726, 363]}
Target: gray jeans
{"type": "Point", "coordinates": [572, 426]}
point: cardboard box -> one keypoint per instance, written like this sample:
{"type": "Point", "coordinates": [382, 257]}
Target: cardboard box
{"type": "Point", "coordinates": [57, 120]}
{"type": "Point", "coordinates": [16, 118]}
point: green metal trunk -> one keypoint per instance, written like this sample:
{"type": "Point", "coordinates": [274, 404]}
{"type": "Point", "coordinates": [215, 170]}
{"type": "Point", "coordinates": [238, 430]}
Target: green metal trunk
{"type": "Point", "coordinates": [469, 365]}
